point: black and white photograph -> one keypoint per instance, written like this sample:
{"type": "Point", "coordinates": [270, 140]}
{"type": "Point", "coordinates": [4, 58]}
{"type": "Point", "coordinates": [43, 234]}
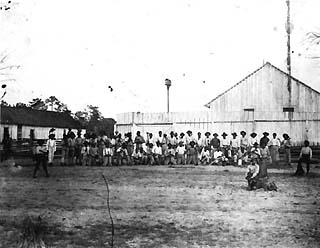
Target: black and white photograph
{"type": "Point", "coordinates": [162, 124]}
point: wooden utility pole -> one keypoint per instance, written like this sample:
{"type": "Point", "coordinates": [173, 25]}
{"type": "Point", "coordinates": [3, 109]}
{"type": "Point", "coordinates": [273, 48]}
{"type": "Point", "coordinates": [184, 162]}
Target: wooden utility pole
{"type": "Point", "coordinates": [288, 29]}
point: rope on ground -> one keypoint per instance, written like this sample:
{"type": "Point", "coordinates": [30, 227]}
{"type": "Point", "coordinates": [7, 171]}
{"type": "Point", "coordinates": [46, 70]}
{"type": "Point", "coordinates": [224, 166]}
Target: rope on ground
{"type": "Point", "coordinates": [108, 205]}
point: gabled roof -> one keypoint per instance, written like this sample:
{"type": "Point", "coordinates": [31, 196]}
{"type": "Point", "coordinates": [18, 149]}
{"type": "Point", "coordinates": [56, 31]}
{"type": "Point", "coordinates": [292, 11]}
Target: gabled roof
{"type": "Point", "coordinates": [38, 118]}
{"type": "Point", "coordinates": [251, 74]}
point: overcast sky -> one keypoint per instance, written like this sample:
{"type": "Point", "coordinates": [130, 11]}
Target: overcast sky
{"type": "Point", "coordinates": [75, 49]}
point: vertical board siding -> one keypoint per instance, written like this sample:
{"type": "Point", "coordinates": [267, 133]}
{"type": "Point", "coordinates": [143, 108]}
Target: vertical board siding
{"type": "Point", "coordinates": [265, 91]}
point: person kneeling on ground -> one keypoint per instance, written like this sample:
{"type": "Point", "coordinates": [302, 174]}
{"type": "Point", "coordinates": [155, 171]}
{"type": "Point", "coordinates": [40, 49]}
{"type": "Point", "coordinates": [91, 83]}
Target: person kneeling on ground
{"type": "Point", "coordinates": [251, 174]}
{"type": "Point", "coordinates": [304, 157]}
{"type": "Point", "coordinates": [255, 181]}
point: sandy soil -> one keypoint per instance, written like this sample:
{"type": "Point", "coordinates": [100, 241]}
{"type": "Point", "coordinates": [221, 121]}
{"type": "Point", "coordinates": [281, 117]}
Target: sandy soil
{"type": "Point", "coordinates": [203, 206]}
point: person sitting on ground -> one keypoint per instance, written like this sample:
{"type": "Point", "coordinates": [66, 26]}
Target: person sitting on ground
{"type": "Point", "coordinates": [122, 155]}
{"type": "Point", "coordinates": [218, 157]}
{"type": "Point", "coordinates": [242, 156]}
{"type": "Point", "coordinates": [170, 156]}
{"type": "Point", "coordinates": [304, 157]}
{"type": "Point", "coordinates": [137, 156]}
{"type": "Point", "coordinates": [205, 157]}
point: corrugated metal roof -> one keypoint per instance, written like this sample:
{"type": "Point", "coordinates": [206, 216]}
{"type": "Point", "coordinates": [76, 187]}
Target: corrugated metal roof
{"type": "Point", "coordinates": [38, 118]}
{"type": "Point", "coordinates": [251, 74]}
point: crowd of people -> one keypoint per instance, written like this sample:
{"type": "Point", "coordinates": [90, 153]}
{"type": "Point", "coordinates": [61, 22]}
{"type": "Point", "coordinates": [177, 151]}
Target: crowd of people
{"type": "Point", "coordinates": [167, 149]}
{"type": "Point", "coordinates": [172, 149]}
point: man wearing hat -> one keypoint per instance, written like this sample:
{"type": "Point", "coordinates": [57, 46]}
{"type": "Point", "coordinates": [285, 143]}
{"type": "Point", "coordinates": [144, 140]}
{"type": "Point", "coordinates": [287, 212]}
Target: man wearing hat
{"type": "Point", "coordinates": [172, 139]}
{"type": "Point", "coordinates": [225, 142]}
{"type": "Point", "coordinates": [235, 144]}
{"type": "Point", "coordinates": [252, 139]}
{"type": "Point", "coordinates": [182, 139]}
{"type": "Point", "coordinates": [274, 145]}
{"type": "Point", "coordinates": [286, 144]}
{"type": "Point", "coordinates": [51, 148]}
{"type": "Point", "coordinates": [215, 142]}
{"type": "Point", "coordinates": [207, 139]}
{"type": "Point", "coordinates": [189, 137]}
{"type": "Point", "coordinates": [200, 143]}
{"type": "Point", "coordinates": [244, 140]}
{"type": "Point", "coordinates": [264, 140]}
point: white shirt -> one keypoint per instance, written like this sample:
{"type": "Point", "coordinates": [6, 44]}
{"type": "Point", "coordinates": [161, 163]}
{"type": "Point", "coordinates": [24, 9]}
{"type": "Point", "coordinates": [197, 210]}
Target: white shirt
{"type": "Point", "coordinates": [205, 154]}
{"type": "Point", "coordinates": [51, 144]}
{"type": "Point", "coordinates": [189, 139]}
{"type": "Point", "coordinates": [252, 141]}
{"type": "Point", "coordinates": [217, 154]}
{"type": "Point", "coordinates": [201, 141]}
{"type": "Point", "coordinates": [152, 140]}
{"type": "Point", "coordinates": [225, 142]}
{"type": "Point", "coordinates": [181, 150]}
{"type": "Point", "coordinates": [235, 143]}
{"type": "Point", "coordinates": [107, 151]}
{"type": "Point", "coordinates": [157, 150]}
{"type": "Point", "coordinates": [274, 142]}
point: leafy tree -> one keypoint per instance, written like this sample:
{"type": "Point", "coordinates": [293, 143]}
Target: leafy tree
{"type": "Point", "coordinates": [54, 104]}
{"type": "Point", "coordinates": [21, 105]}
{"type": "Point", "coordinates": [92, 119]}
{"type": "Point", "coordinates": [38, 104]}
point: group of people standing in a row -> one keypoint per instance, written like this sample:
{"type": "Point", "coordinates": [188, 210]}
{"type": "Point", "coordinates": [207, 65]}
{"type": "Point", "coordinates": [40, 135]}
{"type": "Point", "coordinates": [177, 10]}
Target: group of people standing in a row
{"type": "Point", "coordinates": [184, 148]}
{"type": "Point", "coordinates": [163, 149]}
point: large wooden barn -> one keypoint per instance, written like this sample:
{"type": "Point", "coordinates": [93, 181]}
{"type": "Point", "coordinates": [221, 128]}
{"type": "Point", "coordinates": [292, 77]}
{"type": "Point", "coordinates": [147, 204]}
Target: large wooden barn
{"type": "Point", "coordinates": [21, 123]}
{"type": "Point", "coordinates": [262, 101]}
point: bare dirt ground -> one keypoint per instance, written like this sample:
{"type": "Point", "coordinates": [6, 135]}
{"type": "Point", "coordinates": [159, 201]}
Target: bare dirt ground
{"type": "Point", "coordinates": [203, 206]}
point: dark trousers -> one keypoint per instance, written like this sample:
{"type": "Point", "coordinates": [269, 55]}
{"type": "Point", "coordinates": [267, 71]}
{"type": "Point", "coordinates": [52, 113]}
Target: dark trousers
{"type": "Point", "coordinates": [304, 159]}
{"type": "Point", "coordinates": [40, 160]}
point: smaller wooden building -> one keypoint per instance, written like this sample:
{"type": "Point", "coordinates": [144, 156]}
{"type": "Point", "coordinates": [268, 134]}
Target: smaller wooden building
{"type": "Point", "coordinates": [23, 123]}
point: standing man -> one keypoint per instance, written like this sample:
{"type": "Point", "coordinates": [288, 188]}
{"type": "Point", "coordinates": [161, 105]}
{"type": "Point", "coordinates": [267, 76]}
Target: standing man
{"type": "Point", "coordinates": [274, 145]}
{"type": "Point", "coordinates": [40, 158]}
{"type": "Point", "coordinates": [286, 143]}
{"type": "Point", "coordinates": [264, 140]}
{"type": "Point", "coordinates": [51, 148]}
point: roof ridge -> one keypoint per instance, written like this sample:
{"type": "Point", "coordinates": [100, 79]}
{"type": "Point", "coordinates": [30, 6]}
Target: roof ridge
{"type": "Point", "coordinates": [249, 75]}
